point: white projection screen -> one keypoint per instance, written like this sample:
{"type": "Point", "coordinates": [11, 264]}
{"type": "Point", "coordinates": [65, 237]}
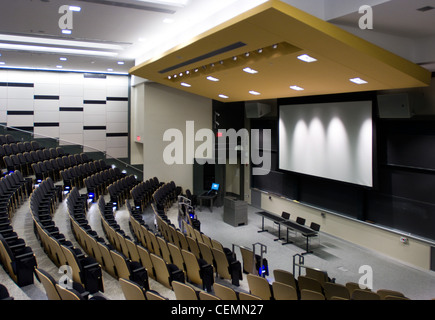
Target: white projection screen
{"type": "Point", "coordinates": [328, 140]}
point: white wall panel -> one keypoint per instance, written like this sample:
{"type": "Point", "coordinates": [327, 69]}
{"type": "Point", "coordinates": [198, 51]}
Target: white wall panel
{"type": "Point", "coordinates": [46, 77]}
{"type": "Point", "coordinates": [3, 92]}
{"type": "Point", "coordinates": [117, 142]}
{"type": "Point", "coordinates": [116, 117]}
{"type": "Point", "coordinates": [117, 91]}
{"type": "Point", "coordinates": [94, 120]}
{"type": "Point", "coordinates": [46, 105]}
{"type": "Point", "coordinates": [73, 127]}
{"type": "Point", "coordinates": [117, 152]}
{"type": "Point", "coordinates": [71, 138]}
{"type": "Point", "coordinates": [71, 117]}
{"type": "Point", "coordinates": [3, 116]}
{"type": "Point", "coordinates": [117, 106]}
{"type": "Point", "coordinates": [46, 89]}
{"type": "Point", "coordinates": [89, 135]}
{"type": "Point", "coordinates": [69, 110]}
{"type": "Point", "coordinates": [20, 120]}
{"type": "Point", "coordinates": [71, 90]}
{"type": "Point", "coordinates": [21, 76]}
{"type": "Point", "coordinates": [94, 145]}
{"type": "Point", "coordinates": [66, 101]}
{"type": "Point", "coordinates": [94, 109]}
{"type": "Point", "coordinates": [20, 104]}
{"type": "Point", "coordinates": [20, 93]}
{"type": "Point", "coordinates": [3, 103]}
{"type": "Point", "coordinates": [42, 132]}
{"type": "Point", "coordinates": [46, 116]}
{"type": "Point", "coordinates": [94, 93]}
{"type": "Point", "coordinates": [117, 127]}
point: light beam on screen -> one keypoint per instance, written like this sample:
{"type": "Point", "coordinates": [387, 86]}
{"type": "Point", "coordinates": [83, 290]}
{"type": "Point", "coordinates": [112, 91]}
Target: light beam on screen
{"type": "Point", "coordinates": [316, 149]}
{"type": "Point", "coordinates": [298, 152]}
{"type": "Point", "coordinates": [338, 150]}
{"type": "Point", "coordinates": [364, 144]}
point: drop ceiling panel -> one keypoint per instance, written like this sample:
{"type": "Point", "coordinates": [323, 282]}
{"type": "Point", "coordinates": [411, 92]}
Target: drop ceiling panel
{"type": "Point", "coordinates": [340, 57]}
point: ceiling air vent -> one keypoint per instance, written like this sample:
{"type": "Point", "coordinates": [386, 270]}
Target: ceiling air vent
{"type": "Point", "coordinates": [426, 8]}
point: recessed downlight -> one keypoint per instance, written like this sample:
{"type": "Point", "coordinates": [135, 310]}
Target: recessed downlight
{"type": "Point", "coordinates": [306, 58]}
{"type": "Point", "coordinates": [66, 31]}
{"type": "Point", "coordinates": [250, 70]}
{"type": "Point", "coordinates": [212, 79]}
{"type": "Point", "coordinates": [296, 88]}
{"type": "Point", "coordinates": [223, 96]}
{"type": "Point", "coordinates": [184, 84]}
{"type": "Point", "coordinates": [255, 93]}
{"type": "Point", "coordinates": [358, 81]}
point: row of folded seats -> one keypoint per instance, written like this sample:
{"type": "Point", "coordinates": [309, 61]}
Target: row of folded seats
{"type": "Point", "coordinates": [86, 271]}
{"type": "Point", "coordinates": [56, 158]}
{"type": "Point", "coordinates": [166, 195]}
{"type": "Point", "coordinates": [97, 183]}
{"type": "Point", "coordinates": [6, 139]}
{"type": "Point", "coordinates": [28, 151]}
{"type": "Point", "coordinates": [119, 190]}
{"type": "Point", "coordinates": [142, 193]}
{"type": "Point", "coordinates": [314, 285]}
{"type": "Point", "coordinates": [75, 175]}
{"type": "Point", "coordinates": [23, 161]}
{"type": "Point", "coordinates": [17, 259]}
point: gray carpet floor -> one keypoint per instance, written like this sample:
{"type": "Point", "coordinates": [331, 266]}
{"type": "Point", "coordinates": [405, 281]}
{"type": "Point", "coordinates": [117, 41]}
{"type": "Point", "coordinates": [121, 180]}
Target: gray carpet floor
{"type": "Point", "coordinates": [340, 259]}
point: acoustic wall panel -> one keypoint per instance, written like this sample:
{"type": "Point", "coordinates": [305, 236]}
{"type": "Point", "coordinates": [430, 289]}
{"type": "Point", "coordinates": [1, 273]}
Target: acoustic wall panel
{"type": "Point", "coordinates": [77, 108]}
{"type": "Point", "coordinates": [43, 132]}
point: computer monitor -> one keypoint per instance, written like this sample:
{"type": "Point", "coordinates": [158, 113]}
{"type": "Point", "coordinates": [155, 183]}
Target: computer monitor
{"type": "Point", "coordinates": [215, 186]}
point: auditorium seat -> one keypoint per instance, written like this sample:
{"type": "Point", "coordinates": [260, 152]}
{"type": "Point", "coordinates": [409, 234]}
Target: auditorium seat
{"type": "Point", "coordinates": [224, 292]}
{"type": "Point", "coordinates": [285, 277]}
{"type": "Point", "coordinates": [132, 290]}
{"type": "Point", "coordinates": [282, 291]}
{"type": "Point", "coordinates": [335, 290]}
{"type": "Point", "coordinates": [307, 294]}
{"type": "Point", "coordinates": [184, 291]}
{"type": "Point", "coordinates": [259, 287]}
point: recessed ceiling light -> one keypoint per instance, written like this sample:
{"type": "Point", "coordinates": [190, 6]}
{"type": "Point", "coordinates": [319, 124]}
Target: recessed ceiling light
{"type": "Point", "coordinates": [121, 62]}
{"type": "Point", "coordinates": [255, 93]}
{"type": "Point", "coordinates": [358, 81]}
{"type": "Point", "coordinates": [75, 8]}
{"type": "Point", "coordinates": [296, 88]}
{"type": "Point", "coordinates": [63, 59]}
{"type": "Point", "coordinates": [109, 69]}
{"type": "Point", "coordinates": [2, 62]}
{"type": "Point", "coordinates": [251, 71]}
{"type": "Point", "coordinates": [60, 67]}
{"type": "Point", "coordinates": [66, 31]}
{"type": "Point", "coordinates": [184, 84]}
{"type": "Point", "coordinates": [212, 78]}
{"type": "Point", "coordinates": [306, 58]}
{"type": "Point", "coordinates": [223, 96]}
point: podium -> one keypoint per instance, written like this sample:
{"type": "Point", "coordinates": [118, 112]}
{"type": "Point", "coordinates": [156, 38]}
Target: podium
{"type": "Point", "coordinates": [235, 212]}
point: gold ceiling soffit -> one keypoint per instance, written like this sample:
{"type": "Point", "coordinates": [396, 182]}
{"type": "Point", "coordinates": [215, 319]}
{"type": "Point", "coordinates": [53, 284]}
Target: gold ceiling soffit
{"type": "Point", "coordinates": [221, 53]}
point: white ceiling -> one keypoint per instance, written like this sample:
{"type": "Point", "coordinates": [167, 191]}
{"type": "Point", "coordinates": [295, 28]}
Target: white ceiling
{"type": "Point", "coordinates": [138, 27]}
